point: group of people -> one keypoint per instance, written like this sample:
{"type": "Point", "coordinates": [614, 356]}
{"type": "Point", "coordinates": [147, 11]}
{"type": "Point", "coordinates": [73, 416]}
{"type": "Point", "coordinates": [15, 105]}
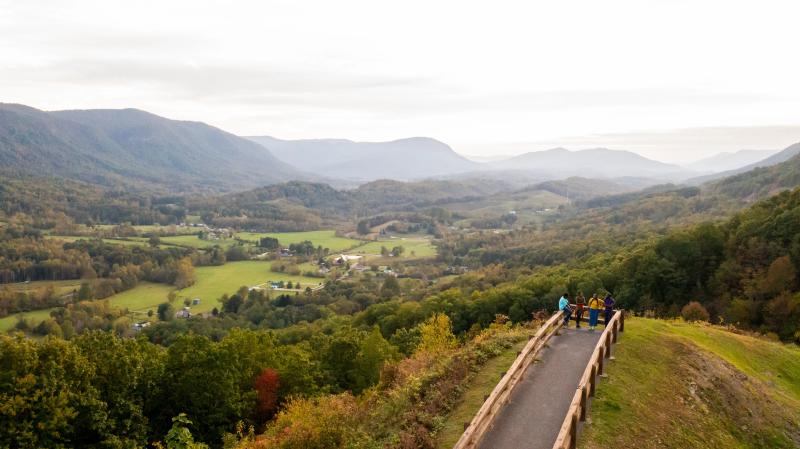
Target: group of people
{"type": "Point", "coordinates": [595, 306]}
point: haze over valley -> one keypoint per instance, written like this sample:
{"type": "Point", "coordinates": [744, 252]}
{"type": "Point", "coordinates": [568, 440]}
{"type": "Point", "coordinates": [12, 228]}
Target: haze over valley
{"type": "Point", "coordinates": [410, 225]}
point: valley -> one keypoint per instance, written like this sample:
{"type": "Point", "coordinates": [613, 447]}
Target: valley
{"type": "Point", "coordinates": [368, 311]}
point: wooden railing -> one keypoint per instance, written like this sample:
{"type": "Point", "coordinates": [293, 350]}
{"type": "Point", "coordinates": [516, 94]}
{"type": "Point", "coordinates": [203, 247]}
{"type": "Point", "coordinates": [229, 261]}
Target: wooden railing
{"type": "Point", "coordinates": [568, 436]}
{"type": "Point", "coordinates": [482, 422]}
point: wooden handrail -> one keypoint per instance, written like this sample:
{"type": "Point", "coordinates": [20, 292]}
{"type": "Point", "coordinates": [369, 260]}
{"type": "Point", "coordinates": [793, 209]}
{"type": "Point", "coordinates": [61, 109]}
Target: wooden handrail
{"type": "Point", "coordinates": [568, 436]}
{"type": "Point", "coordinates": [483, 420]}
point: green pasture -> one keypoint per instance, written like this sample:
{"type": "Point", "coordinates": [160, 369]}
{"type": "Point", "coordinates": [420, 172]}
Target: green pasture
{"type": "Point", "coordinates": [194, 241]}
{"type": "Point", "coordinates": [326, 239]}
{"type": "Point", "coordinates": [133, 241]}
{"type": "Point", "coordinates": [34, 318]}
{"type": "Point", "coordinates": [421, 247]}
{"type": "Point", "coordinates": [211, 283]}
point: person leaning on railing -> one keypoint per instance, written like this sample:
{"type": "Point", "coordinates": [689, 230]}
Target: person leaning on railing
{"type": "Point", "coordinates": [563, 305]}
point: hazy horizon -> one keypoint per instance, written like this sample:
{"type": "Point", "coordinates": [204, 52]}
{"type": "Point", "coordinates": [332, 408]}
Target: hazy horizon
{"type": "Point", "coordinates": [487, 80]}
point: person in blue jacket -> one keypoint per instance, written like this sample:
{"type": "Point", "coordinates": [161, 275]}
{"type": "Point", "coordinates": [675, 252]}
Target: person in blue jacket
{"type": "Point", "coordinates": [563, 305]}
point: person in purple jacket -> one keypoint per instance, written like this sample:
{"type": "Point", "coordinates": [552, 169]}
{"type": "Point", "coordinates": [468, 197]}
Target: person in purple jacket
{"type": "Point", "coordinates": [609, 303]}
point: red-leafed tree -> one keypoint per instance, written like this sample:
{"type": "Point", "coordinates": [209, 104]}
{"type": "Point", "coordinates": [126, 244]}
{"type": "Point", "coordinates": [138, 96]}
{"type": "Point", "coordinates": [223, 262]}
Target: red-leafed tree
{"type": "Point", "coordinates": [266, 385]}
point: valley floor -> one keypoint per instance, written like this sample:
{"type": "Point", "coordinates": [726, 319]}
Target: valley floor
{"type": "Point", "coordinates": [680, 385]}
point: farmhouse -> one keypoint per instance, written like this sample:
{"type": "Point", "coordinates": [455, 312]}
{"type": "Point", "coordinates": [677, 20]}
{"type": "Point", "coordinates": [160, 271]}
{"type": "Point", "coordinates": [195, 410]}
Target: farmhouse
{"type": "Point", "coordinates": [183, 313]}
{"type": "Point", "coordinates": [344, 258]}
{"type": "Point", "coordinates": [140, 325]}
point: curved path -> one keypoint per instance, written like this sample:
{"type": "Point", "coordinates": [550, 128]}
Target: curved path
{"type": "Point", "coordinates": [532, 419]}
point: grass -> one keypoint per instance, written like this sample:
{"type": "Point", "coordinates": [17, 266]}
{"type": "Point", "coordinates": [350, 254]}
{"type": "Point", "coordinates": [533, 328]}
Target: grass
{"type": "Point", "coordinates": [194, 241]}
{"type": "Point", "coordinates": [34, 318]}
{"type": "Point", "coordinates": [420, 247]}
{"type": "Point", "coordinates": [211, 283]}
{"type": "Point", "coordinates": [767, 361]}
{"type": "Point", "coordinates": [145, 296]}
{"type": "Point", "coordinates": [70, 239]}
{"type": "Point", "coordinates": [326, 239]}
{"type": "Point", "coordinates": [472, 399]}
{"type": "Point", "coordinates": [62, 287]}
{"type": "Point", "coordinates": [146, 229]}
{"type": "Point", "coordinates": [679, 385]}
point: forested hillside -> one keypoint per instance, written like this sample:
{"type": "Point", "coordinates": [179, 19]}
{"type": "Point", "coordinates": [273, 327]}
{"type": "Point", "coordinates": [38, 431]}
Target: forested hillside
{"type": "Point", "coordinates": [132, 148]}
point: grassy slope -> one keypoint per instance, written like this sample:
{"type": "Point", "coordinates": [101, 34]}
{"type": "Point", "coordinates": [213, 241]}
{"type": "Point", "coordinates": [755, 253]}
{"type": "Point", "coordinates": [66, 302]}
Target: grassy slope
{"type": "Point", "coordinates": [677, 385]}
{"type": "Point", "coordinates": [471, 400]}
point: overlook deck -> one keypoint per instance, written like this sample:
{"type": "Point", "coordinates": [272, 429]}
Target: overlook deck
{"type": "Point", "coordinates": [532, 419]}
{"type": "Point", "coordinates": [540, 401]}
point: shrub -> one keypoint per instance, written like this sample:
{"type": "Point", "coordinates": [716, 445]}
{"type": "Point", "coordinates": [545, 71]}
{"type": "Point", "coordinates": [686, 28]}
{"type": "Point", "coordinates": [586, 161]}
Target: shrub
{"type": "Point", "coordinates": [694, 311]}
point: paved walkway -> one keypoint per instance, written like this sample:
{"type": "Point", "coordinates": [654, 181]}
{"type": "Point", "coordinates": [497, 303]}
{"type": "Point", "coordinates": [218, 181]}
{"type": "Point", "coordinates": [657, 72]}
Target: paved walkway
{"type": "Point", "coordinates": [539, 403]}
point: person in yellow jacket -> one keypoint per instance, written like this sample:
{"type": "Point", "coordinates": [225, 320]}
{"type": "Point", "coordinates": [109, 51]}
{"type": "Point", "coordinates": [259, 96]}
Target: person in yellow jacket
{"type": "Point", "coordinates": [595, 306]}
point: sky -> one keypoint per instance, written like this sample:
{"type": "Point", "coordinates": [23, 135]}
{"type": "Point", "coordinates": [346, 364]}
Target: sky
{"type": "Point", "coordinates": [675, 80]}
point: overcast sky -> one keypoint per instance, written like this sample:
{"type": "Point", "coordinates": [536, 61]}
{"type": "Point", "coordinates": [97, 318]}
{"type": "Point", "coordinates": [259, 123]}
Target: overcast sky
{"type": "Point", "coordinates": [674, 80]}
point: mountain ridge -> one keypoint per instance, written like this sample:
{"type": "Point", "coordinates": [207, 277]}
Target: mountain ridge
{"type": "Point", "coordinates": [782, 156]}
{"type": "Point", "coordinates": [132, 146]}
{"type": "Point", "coordinates": [401, 159]}
{"type": "Point", "coordinates": [591, 163]}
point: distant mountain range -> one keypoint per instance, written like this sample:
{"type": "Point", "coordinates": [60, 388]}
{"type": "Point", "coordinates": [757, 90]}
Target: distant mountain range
{"type": "Point", "coordinates": [404, 159]}
{"type": "Point", "coordinates": [129, 146]}
{"type": "Point", "coordinates": [560, 163]}
{"type": "Point", "coordinates": [777, 158]}
{"type": "Point", "coordinates": [729, 160]}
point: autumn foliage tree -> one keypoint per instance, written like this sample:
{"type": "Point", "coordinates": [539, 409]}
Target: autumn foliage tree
{"type": "Point", "coordinates": [267, 385]}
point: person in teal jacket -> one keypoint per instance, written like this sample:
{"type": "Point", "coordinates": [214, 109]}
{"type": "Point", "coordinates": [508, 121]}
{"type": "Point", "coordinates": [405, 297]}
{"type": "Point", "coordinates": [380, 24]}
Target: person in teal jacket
{"type": "Point", "coordinates": [563, 305]}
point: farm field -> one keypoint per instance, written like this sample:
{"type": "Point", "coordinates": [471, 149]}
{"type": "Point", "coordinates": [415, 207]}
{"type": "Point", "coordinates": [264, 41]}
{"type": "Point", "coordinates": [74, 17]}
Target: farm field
{"type": "Point", "coordinates": [420, 246]}
{"type": "Point", "coordinates": [212, 282]}
{"type": "Point", "coordinates": [326, 239]}
{"type": "Point", "coordinates": [173, 229]}
{"type": "Point", "coordinates": [146, 295]}
{"type": "Point", "coordinates": [134, 241]}
{"type": "Point", "coordinates": [62, 287]}
{"type": "Point", "coordinates": [34, 318]}
{"type": "Point", "coordinates": [195, 241]}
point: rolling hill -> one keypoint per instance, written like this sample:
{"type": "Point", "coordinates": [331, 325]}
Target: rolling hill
{"type": "Point", "coordinates": [132, 147]}
{"type": "Point", "coordinates": [560, 163]}
{"type": "Point", "coordinates": [404, 159]}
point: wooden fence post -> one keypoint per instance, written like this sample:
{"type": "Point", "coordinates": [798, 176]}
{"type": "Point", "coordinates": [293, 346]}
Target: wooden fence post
{"type": "Point", "coordinates": [584, 401]}
{"type": "Point", "coordinates": [573, 432]}
{"type": "Point", "coordinates": [600, 361]}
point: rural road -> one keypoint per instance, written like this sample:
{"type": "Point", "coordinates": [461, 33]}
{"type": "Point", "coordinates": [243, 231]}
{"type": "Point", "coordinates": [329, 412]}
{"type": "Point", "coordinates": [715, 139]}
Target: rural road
{"type": "Point", "coordinates": [539, 403]}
